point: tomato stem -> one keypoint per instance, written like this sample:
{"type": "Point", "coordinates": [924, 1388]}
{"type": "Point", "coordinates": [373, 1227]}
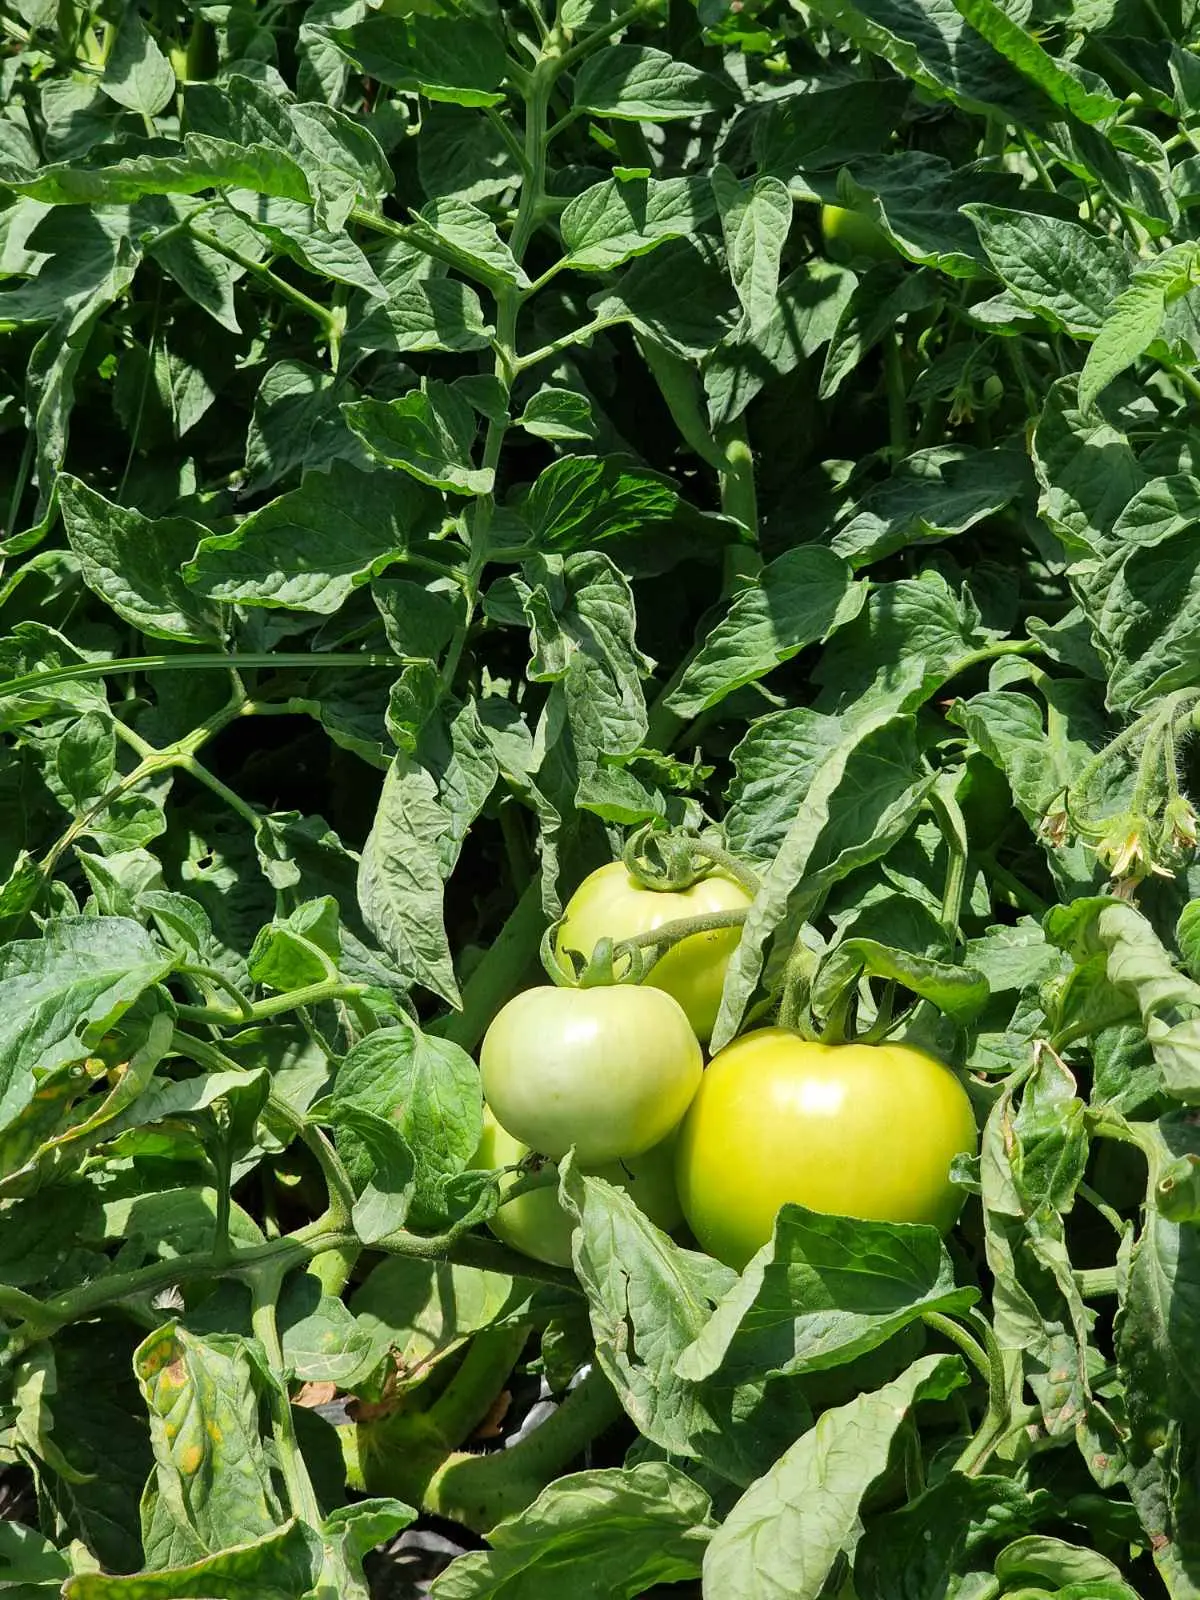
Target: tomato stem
{"type": "Point", "coordinates": [797, 984]}
{"type": "Point", "coordinates": [661, 939]}
{"type": "Point", "coordinates": [265, 1285]}
{"type": "Point", "coordinates": [480, 1490]}
{"type": "Point", "coordinates": [728, 863]}
{"type": "Point", "coordinates": [948, 812]}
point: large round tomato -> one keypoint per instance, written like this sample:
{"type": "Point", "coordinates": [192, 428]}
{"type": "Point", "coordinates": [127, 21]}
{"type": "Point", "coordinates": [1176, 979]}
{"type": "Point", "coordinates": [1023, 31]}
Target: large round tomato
{"type": "Point", "coordinates": [610, 904]}
{"type": "Point", "coordinates": [538, 1226]}
{"type": "Point", "coordinates": [609, 1070]}
{"type": "Point", "coordinates": [853, 236]}
{"type": "Point", "coordinates": [859, 1130]}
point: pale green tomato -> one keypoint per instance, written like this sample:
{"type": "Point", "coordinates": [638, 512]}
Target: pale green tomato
{"type": "Point", "coordinates": [609, 1070]}
{"type": "Point", "coordinates": [852, 236]}
{"type": "Point", "coordinates": [858, 1130]}
{"type": "Point", "coordinates": [536, 1223]}
{"type": "Point", "coordinates": [610, 904]}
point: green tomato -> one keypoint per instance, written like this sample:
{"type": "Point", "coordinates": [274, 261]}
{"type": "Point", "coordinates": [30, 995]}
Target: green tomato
{"type": "Point", "coordinates": [538, 1226]}
{"type": "Point", "coordinates": [610, 904]}
{"type": "Point", "coordinates": [851, 236]}
{"type": "Point", "coordinates": [858, 1130]}
{"type": "Point", "coordinates": [609, 1071]}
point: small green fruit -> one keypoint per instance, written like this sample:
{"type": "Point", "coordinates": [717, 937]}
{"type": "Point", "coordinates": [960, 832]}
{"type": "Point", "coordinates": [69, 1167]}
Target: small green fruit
{"type": "Point", "coordinates": [850, 236]}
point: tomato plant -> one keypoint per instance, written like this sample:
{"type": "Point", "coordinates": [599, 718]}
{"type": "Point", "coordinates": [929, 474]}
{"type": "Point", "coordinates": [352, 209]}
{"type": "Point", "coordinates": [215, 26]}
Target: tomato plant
{"type": "Point", "coordinates": [536, 1223]}
{"type": "Point", "coordinates": [611, 904]}
{"type": "Point", "coordinates": [858, 1130]}
{"type": "Point", "coordinates": [606, 1071]}
{"type": "Point", "coordinates": [444, 448]}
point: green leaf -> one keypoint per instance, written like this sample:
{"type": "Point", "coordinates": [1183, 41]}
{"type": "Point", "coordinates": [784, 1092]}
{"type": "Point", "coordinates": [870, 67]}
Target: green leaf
{"type": "Point", "coordinates": [457, 59]}
{"type": "Point", "coordinates": [864, 791]}
{"type": "Point", "coordinates": [581, 615]}
{"type": "Point", "coordinates": [1133, 321]}
{"type": "Point", "coordinates": [203, 1401]}
{"type": "Point", "coordinates": [638, 84]}
{"type": "Point", "coordinates": [206, 162]}
{"type": "Point", "coordinates": [932, 495]}
{"type": "Point", "coordinates": [909, 639]}
{"type": "Point", "coordinates": [958, 991]}
{"type": "Point", "coordinates": [59, 995]}
{"type": "Point", "coordinates": [323, 69]}
{"type": "Point", "coordinates": [364, 1524]}
{"type": "Point", "coordinates": [400, 879]}
{"type": "Point", "coordinates": [1060, 270]}
{"type": "Point", "coordinates": [429, 1089]}
{"type": "Point", "coordinates": [291, 229]}
{"type": "Point", "coordinates": [428, 433]}
{"type": "Point", "coordinates": [1040, 1559]}
{"type": "Point", "coordinates": [1155, 1329]}
{"type": "Point", "coordinates": [1081, 504]}
{"type": "Point", "coordinates": [299, 949]}
{"type": "Point", "coordinates": [558, 415]}
{"type": "Point", "coordinates": [1145, 629]}
{"type": "Point", "coordinates": [620, 218]}
{"type": "Point", "coordinates": [805, 314]}
{"type": "Point", "coordinates": [809, 1500]}
{"type": "Point", "coordinates": [934, 45]}
{"type": "Point", "coordinates": [27, 1559]}
{"type": "Point", "coordinates": [282, 1565]}
{"type": "Point", "coordinates": [647, 295]}
{"type": "Point", "coordinates": [1040, 754]}
{"type": "Point", "coordinates": [918, 199]}
{"type": "Point", "coordinates": [755, 220]}
{"type": "Point", "coordinates": [99, 1427]}
{"type": "Point", "coordinates": [311, 548]}
{"type": "Point", "coordinates": [822, 129]}
{"type": "Point", "coordinates": [648, 1300]}
{"type": "Point", "coordinates": [926, 1545]}
{"type": "Point", "coordinates": [296, 423]}
{"type": "Point", "coordinates": [426, 1310]}
{"type": "Point", "coordinates": [137, 75]}
{"type": "Point", "coordinates": [824, 1291]}
{"type": "Point", "coordinates": [871, 311]}
{"type": "Point", "coordinates": [1168, 1001]}
{"type": "Point", "coordinates": [618, 1532]}
{"type": "Point", "coordinates": [384, 1175]}
{"type": "Point", "coordinates": [340, 158]}
{"type": "Point", "coordinates": [472, 237]}
{"type": "Point", "coordinates": [1080, 94]}
{"type": "Point", "coordinates": [464, 155]}
{"type": "Point", "coordinates": [52, 367]}
{"type": "Point", "coordinates": [578, 501]}
{"type": "Point", "coordinates": [435, 314]}
{"type": "Point", "coordinates": [134, 563]}
{"type": "Point", "coordinates": [799, 598]}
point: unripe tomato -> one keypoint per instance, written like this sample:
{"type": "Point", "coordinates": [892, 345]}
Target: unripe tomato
{"type": "Point", "coordinates": [610, 904]}
{"type": "Point", "coordinates": [851, 236]}
{"type": "Point", "coordinates": [536, 1224]}
{"type": "Point", "coordinates": [608, 1070]}
{"type": "Point", "coordinates": [859, 1130]}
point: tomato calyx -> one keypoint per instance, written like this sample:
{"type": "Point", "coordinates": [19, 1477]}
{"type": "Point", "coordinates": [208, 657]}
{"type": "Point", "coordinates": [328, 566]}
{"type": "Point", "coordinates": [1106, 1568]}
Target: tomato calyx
{"type": "Point", "coordinates": [668, 860]}
{"type": "Point", "coordinates": [825, 1012]}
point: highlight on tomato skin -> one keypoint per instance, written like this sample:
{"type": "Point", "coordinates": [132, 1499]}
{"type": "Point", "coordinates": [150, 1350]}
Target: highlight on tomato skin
{"type": "Point", "coordinates": [606, 1071]}
{"type": "Point", "coordinates": [611, 904]}
{"type": "Point", "coordinates": [865, 1131]}
{"type": "Point", "coordinates": [536, 1223]}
